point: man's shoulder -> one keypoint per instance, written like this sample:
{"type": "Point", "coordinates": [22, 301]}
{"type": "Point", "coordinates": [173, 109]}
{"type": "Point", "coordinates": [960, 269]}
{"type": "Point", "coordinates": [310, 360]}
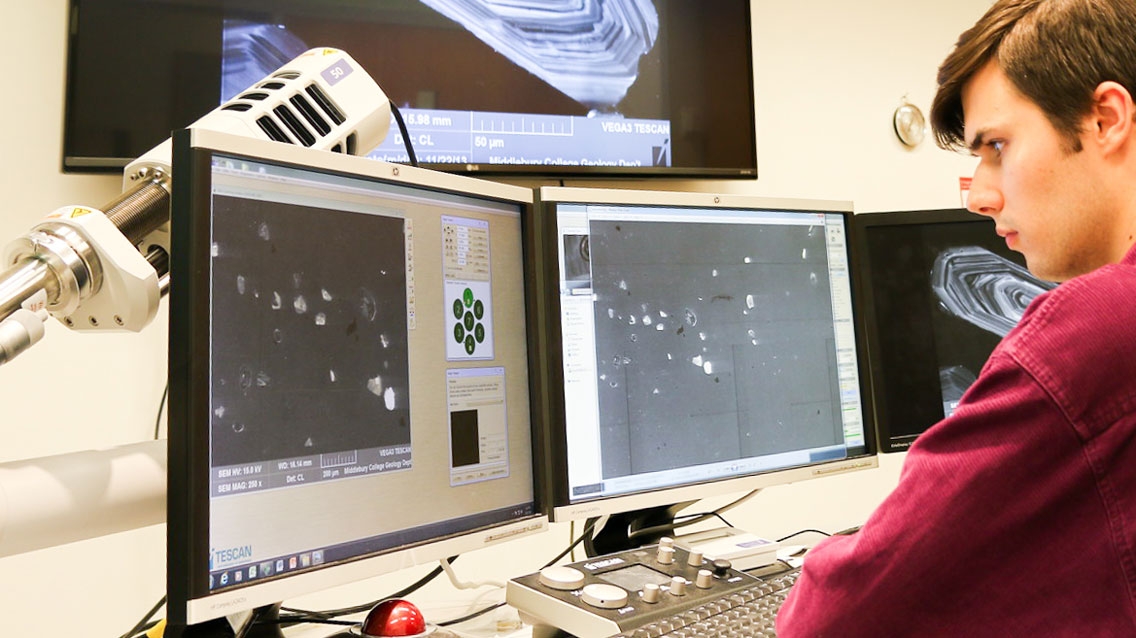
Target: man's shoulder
{"type": "Point", "coordinates": [1083, 308]}
{"type": "Point", "coordinates": [1079, 342]}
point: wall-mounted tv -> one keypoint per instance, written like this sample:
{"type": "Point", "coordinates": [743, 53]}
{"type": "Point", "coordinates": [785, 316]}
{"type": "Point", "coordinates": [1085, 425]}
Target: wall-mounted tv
{"type": "Point", "coordinates": [623, 88]}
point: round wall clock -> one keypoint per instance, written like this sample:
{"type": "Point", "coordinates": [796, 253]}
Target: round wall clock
{"type": "Point", "coordinates": [910, 127]}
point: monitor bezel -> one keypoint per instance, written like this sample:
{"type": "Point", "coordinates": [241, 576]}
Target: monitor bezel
{"type": "Point", "coordinates": [888, 441]}
{"type": "Point", "coordinates": [189, 601]}
{"type": "Point", "coordinates": [76, 161]}
{"type": "Point", "coordinates": [554, 476]}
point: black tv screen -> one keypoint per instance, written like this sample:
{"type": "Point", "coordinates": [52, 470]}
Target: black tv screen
{"type": "Point", "coordinates": [629, 88]}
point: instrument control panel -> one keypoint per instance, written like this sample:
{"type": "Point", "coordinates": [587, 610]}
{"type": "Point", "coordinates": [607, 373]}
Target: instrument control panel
{"type": "Point", "coordinates": [611, 594]}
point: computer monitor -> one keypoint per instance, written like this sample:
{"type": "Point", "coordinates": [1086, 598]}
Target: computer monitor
{"type": "Point", "coordinates": [587, 88]}
{"type": "Point", "coordinates": [696, 344]}
{"type": "Point", "coordinates": [349, 390]}
{"type": "Point", "coordinates": [941, 289]}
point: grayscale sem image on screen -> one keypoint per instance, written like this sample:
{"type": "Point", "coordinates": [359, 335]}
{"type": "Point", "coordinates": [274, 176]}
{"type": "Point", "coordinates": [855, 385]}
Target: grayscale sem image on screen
{"type": "Point", "coordinates": [577, 261]}
{"type": "Point", "coordinates": [309, 350]}
{"type": "Point", "coordinates": [589, 50]}
{"type": "Point", "coordinates": [986, 290]}
{"type": "Point", "coordinates": [588, 53]}
{"type": "Point", "coordinates": [607, 87]}
{"type": "Point", "coordinates": [945, 291]}
{"type": "Point", "coordinates": [713, 342]}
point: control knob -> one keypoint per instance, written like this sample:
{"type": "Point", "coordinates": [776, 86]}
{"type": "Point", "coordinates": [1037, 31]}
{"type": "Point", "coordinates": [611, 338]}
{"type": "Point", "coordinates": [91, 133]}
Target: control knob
{"type": "Point", "coordinates": [722, 567]}
{"type": "Point", "coordinates": [562, 578]}
{"type": "Point", "coordinates": [604, 596]}
{"type": "Point", "coordinates": [704, 580]}
{"type": "Point", "coordinates": [678, 586]}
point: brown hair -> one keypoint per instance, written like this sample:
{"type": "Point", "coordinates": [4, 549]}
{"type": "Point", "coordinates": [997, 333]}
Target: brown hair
{"type": "Point", "coordinates": [1055, 52]}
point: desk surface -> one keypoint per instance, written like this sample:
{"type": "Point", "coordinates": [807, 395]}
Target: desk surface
{"type": "Point", "coordinates": [503, 622]}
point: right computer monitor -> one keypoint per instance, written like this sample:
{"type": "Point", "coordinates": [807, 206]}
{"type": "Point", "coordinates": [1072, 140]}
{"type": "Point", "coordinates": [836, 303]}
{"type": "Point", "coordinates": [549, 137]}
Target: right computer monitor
{"type": "Point", "coordinates": [941, 289]}
{"type": "Point", "coordinates": [696, 344]}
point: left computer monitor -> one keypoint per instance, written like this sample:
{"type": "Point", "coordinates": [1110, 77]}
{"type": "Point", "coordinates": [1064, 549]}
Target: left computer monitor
{"type": "Point", "coordinates": [349, 373]}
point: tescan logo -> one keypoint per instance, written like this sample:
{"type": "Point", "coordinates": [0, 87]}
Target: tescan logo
{"type": "Point", "coordinates": [220, 558]}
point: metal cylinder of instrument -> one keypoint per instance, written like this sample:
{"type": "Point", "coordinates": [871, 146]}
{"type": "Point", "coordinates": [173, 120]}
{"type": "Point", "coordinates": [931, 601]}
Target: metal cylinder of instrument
{"type": "Point", "coordinates": [23, 280]}
{"type": "Point", "coordinates": [142, 209]}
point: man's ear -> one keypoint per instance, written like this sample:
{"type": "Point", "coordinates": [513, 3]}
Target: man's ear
{"type": "Point", "coordinates": [1112, 115]}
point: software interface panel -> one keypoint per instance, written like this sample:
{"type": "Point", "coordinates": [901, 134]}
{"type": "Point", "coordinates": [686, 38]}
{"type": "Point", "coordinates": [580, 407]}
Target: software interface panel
{"type": "Point", "coordinates": [702, 344]}
{"type": "Point", "coordinates": [368, 368]}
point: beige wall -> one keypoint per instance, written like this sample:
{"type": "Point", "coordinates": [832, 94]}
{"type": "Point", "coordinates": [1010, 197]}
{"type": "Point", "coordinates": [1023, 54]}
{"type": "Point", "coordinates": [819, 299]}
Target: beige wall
{"type": "Point", "coordinates": [829, 74]}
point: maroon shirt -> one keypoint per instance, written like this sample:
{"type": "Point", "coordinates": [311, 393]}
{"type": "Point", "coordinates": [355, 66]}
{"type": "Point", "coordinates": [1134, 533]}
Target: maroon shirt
{"type": "Point", "coordinates": [1016, 516]}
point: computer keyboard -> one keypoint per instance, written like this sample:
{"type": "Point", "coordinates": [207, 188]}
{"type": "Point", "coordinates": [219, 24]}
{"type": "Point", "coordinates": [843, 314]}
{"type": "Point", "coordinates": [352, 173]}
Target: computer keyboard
{"type": "Point", "coordinates": [747, 612]}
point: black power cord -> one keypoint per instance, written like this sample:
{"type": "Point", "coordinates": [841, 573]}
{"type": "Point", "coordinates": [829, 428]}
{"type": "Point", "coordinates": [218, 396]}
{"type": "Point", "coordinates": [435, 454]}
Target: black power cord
{"type": "Point", "coordinates": [145, 623]}
{"type": "Point", "coordinates": [804, 531]}
{"type": "Point", "coordinates": [161, 411]}
{"type": "Point", "coordinates": [303, 615]}
{"type": "Point", "coordinates": [405, 135]}
{"type": "Point", "coordinates": [587, 531]}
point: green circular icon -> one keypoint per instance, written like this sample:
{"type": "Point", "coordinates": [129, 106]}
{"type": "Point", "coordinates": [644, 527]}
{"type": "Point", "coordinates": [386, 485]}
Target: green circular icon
{"type": "Point", "coordinates": [469, 331]}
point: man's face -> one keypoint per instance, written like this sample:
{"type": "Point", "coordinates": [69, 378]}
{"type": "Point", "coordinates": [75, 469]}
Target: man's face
{"type": "Point", "coordinates": [1046, 200]}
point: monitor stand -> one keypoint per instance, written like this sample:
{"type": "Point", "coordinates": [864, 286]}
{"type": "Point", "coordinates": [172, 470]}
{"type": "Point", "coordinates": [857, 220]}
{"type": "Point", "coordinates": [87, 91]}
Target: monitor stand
{"type": "Point", "coordinates": [263, 622]}
{"type": "Point", "coordinates": [631, 530]}
{"type": "Point", "coordinates": [624, 531]}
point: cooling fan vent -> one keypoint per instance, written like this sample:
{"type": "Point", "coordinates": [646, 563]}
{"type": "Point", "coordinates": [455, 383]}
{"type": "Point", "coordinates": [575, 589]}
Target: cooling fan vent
{"type": "Point", "coordinates": [292, 114]}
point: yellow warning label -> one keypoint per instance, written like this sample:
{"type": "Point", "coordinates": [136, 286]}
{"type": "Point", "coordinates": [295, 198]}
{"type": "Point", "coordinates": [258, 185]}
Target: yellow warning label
{"type": "Point", "coordinates": [79, 211]}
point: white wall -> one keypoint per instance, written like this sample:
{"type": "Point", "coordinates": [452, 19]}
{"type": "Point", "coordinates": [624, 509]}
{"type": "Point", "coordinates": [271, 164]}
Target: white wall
{"type": "Point", "coordinates": [829, 74]}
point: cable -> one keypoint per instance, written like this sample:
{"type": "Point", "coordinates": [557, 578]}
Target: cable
{"type": "Point", "coordinates": [256, 618]}
{"type": "Point", "coordinates": [583, 535]}
{"type": "Point", "coordinates": [144, 630]}
{"type": "Point", "coordinates": [460, 584]}
{"type": "Point", "coordinates": [288, 620]}
{"type": "Point", "coordinates": [669, 527]}
{"type": "Point", "coordinates": [301, 615]}
{"type": "Point", "coordinates": [145, 619]}
{"type": "Point", "coordinates": [405, 135]}
{"type": "Point", "coordinates": [804, 531]}
{"type": "Point", "coordinates": [729, 506]}
{"type": "Point", "coordinates": [697, 518]}
{"type": "Point", "coordinates": [161, 410]}
{"type": "Point", "coordinates": [706, 515]}
{"type": "Point", "coordinates": [480, 612]}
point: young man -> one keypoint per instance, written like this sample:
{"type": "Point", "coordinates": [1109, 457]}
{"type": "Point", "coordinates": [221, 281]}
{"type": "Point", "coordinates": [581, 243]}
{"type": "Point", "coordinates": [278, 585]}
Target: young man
{"type": "Point", "coordinates": [1016, 516]}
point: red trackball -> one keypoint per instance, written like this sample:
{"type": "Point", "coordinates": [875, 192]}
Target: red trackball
{"type": "Point", "coordinates": [394, 617]}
